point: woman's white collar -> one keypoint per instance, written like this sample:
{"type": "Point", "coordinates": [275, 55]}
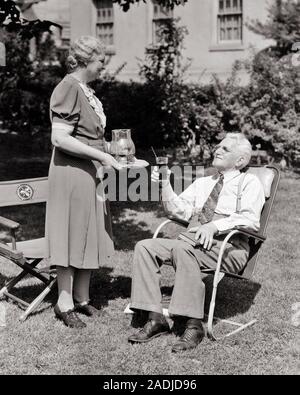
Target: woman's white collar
{"type": "Point", "coordinates": [94, 102]}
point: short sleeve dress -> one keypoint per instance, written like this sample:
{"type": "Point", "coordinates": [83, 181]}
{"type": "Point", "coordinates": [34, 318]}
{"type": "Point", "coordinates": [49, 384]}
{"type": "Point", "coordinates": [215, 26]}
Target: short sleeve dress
{"type": "Point", "coordinates": [78, 222]}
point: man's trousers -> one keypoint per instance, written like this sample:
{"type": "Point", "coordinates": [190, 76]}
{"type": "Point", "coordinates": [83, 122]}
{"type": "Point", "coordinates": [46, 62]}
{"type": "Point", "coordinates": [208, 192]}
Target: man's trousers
{"type": "Point", "coordinates": [189, 289]}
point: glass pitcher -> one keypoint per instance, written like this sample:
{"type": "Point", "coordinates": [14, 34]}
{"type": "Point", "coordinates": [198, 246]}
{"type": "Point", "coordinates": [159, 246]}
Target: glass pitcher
{"type": "Point", "coordinates": [122, 146]}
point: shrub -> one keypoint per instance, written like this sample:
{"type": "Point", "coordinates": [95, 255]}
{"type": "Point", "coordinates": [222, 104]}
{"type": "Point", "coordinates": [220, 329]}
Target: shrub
{"type": "Point", "coordinates": [163, 71]}
{"type": "Point", "coordinates": [25, 89]}
{"type": "Point", "coordinates": [266, 110]}
{"type": "Point", "coordinates": [164, 111]}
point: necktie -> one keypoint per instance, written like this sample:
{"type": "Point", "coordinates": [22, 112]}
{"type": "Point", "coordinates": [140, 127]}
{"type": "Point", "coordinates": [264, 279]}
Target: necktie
{"type": "Point", "coordinates": [208, 209]}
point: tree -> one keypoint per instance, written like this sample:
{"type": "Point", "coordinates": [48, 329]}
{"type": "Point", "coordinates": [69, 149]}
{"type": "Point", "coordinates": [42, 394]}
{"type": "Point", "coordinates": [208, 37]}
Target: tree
{"type": "Point", "coordinates": [282, 25]}
{"type": "Point", "coordinates": [163, 71]}
{"type": "Point", "coordinates": [25, 89]}
{"type": "Point", "coordinates": [275, 82]}
{"type": "Point", "coordinates": [12, 21]}
{"type": "Point", "coordinates": [125, 4]}
{"type": "Point", "coordinates": [26, 85]}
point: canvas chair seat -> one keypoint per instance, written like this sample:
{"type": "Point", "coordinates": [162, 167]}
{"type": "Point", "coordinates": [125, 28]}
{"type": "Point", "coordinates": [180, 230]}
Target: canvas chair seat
{"type": "Point", "coordinates": [26, 254]}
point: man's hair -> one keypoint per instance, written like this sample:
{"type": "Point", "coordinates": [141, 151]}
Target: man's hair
{"type": "Point", "coordinates": [243, 146]}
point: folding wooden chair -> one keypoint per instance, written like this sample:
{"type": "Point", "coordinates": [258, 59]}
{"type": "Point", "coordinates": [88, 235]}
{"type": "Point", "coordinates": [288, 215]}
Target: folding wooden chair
{"type": "Point", "coordinates": [269, 177]}
{"type": "Point", "coordinates": [25, 254]}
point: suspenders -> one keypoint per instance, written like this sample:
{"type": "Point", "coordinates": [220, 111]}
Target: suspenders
{"type": "Point", "coordinates": [239, 193]}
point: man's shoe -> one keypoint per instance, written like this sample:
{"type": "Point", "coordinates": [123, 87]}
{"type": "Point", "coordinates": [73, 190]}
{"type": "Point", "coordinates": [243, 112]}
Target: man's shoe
{"type": "Point", "coordinates": [87, 309]}
{"type": "Point", "coordinates": [151, 330]}
{"type": "Point", "coordinates": [69, 318]}
{"type": "Point", "coordinates": [191, 338]}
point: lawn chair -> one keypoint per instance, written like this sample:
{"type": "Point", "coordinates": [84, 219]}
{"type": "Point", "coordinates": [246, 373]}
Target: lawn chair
{"type": "Point", "coordinates": [25, 254]}
{"type": "Point", "coordinates": [269, 177]}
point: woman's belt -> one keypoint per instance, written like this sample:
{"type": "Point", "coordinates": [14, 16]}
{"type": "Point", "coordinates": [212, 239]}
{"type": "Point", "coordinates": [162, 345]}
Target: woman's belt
{"type": "Point", "coordinates": [96, 143]}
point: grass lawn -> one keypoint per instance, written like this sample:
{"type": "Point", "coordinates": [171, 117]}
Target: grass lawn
{"type": "Point", "coordinates": [43, 345]}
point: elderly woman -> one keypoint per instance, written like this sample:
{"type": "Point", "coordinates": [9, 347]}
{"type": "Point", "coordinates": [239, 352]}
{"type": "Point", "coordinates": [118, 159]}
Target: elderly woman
{"type": "Point", "coordinates": [78, 223]}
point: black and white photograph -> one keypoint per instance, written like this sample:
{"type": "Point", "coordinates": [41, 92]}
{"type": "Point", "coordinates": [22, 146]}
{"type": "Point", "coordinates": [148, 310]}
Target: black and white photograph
{"type": "Point", "coordinates": [149, 190]}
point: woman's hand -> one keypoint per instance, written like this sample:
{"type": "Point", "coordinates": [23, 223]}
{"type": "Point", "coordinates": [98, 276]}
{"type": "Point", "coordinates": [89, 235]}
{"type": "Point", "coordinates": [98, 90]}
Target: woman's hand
{"type": "Point", "coordinates": [107, 145]}
{"type": "Point", "coordinates": [205, 233]}
{"type": "Point", "coordinates": [110, 161]}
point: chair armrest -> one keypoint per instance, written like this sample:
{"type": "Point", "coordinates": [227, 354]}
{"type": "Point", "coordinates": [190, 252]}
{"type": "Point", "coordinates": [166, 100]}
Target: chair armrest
{"type": "Point", "coordinates": [245, 232]}
{"type": "Point", "coordinates": [250, 233]}
{"type": "Point", "coordinates": [9, 224]}
{"type": "Point", "coordinates": [9, 253]}
{"type": "Point", "coordinates": [178, 221]}
{"type": "Point", "coordinates": [169, 220]}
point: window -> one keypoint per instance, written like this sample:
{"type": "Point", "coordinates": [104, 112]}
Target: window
{"type": "Point", "coordinates": [2, 59]}
{"type": "Point", "coordinates": [65, 35]}
{"type": "Point", "coordinates": [105, 21]}
{"type": "Point", "coordinates": [230, 21]}
{"type": "Point", "coordinates": [160, 16]}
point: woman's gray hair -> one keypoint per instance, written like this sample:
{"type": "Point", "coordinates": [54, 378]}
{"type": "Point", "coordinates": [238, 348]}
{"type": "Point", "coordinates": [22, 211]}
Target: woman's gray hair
{"type": "Point", "coordinates": [243, 146]}
{"type": "Point", "coordinates": [82, 52]}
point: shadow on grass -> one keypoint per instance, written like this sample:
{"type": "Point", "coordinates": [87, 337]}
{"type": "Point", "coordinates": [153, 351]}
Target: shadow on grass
{"type": "Point", "coordinates": [127, 229]}
{"type": "Point", "coordinates": [133, 231]}
{"type": "Point", "coordinates": [3, 280]}
{"type": "Point", "coordinates": [234, 297]}
{"type": "Point", "coordinates": [104, 288]}
{"type": "Point", "coordinates": [28, 292]}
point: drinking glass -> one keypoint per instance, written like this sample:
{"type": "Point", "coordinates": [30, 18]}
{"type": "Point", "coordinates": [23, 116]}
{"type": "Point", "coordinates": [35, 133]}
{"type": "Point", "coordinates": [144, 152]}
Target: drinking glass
{"type": "Point", "coordinates": [162, 163]}
{"type": "Point", "coordinates": [122, 146]}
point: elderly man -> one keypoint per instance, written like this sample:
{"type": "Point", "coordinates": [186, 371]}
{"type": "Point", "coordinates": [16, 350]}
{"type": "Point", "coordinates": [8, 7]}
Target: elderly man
{"type": "Point", "coordinates": [210, 204]}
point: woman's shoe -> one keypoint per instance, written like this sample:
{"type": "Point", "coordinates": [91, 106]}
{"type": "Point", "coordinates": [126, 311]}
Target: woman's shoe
{"type": "Point", "coordinates": [69, 318]}
{"type": "Point", "coordinates": [87, 309]}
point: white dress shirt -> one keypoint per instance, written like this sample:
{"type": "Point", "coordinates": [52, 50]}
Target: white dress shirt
{"type": "Point", "coordinates": [193, 198]}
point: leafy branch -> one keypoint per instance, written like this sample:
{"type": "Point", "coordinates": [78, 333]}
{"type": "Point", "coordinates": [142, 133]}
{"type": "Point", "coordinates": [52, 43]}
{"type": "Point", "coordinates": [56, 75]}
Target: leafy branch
{"type": "Point", "coordinates": [12, 21]}
{"type": "Point", "coordinates": [125, 4]}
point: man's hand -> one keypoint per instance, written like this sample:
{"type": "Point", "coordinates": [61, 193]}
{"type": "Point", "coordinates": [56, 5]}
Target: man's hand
{"type": "Point", "coordinates": [206, 234]}
{"type": "Point", "coordinates": [165, 174]}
